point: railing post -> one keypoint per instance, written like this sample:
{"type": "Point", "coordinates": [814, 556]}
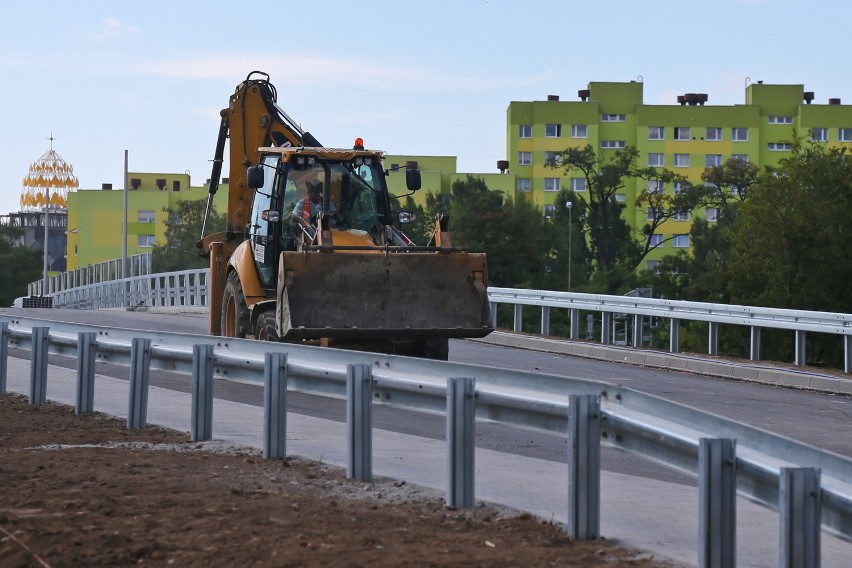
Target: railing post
{"type": "Point", "coordinates": [201, 428]}
{"type": "Point", "coordinates": [4, 355]}
{"type": "Point", "coordinates": [545, 320]}
{"type": "Point", "coordinates": [637, 330]}
{"type": "Point", "coordinates": [606, 324]}
{"type": "Point", "coordinates": [713, 338]}
{"type": "Point", "coordinates": [275, 406]}
{"type": "Point", "coordinates": [493, 314]}
{"type": "Point", "coordinates": [800, 347]}
{"type": "Point", "coordinates": [717, 486]}
{"type": "Point", "coordinates": [460, 442]}
{"type": "Point", "coordinates": [38, 366]}
{"type": "Point", "coordinates": [584, 466]}
{"type": "Point", "coordinates": [754, 343]}
{"type": "Point", "coordinates": [799, 506]}
{"type": "Point", "coordinates": [140, 363]}
{"type": "Point", "coordinates": [86, 353]}
{"type": "Point", "coordinates": [847, 353]}
{"type": "Point", "coordinates": [574, 317]}
{"type": "Point", "coordinates": [674, 335]}
{"type": "Point", "coordinates": [359, 422]}
{"type": "Point", "coordinates": [519, 317]}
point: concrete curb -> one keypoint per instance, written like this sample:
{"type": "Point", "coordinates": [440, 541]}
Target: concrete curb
{"type": "Point", "coordinates": [743, 371]}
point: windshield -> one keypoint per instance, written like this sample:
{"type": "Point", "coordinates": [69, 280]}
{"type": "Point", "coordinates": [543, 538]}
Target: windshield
{"type": "Point", "coordinates": [351, 193]}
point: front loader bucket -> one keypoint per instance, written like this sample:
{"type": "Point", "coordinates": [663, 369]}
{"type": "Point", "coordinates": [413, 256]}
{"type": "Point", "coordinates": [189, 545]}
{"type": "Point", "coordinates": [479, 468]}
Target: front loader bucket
{"type": "Point", "coordinates": [380, 294]}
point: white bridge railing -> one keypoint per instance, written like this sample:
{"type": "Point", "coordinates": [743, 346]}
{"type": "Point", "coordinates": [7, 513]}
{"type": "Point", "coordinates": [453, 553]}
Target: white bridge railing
{"type": "Point", "coordinates": [799, 481]}
{"type": "Point", "coordinates": [189, 288]}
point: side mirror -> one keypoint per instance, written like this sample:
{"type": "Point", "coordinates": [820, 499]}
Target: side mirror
{"type": "Point", "coordinates": [254, 176]}
{"type": "Point", "coordinates": [270, 215]}
{"type": "Point", "coordinates": [412, 179]}
{"type": "Point", "coordinates": [405, 217]}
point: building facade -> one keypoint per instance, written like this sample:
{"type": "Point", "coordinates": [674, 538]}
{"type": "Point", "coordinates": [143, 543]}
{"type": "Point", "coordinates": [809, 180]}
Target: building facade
{"type": "Point", "coordinates": [686, 137]}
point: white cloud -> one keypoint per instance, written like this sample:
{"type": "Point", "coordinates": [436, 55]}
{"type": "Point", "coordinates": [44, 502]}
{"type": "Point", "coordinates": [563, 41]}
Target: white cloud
{"type": "Point", "coordinates": [112, 28]}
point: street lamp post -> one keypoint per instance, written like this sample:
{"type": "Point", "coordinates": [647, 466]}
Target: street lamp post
{"type": "Point", "coordinates": [569, 205]}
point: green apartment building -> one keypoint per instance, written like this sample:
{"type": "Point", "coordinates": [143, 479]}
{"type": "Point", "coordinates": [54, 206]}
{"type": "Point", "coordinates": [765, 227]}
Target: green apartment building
{"type": "Point", "coordinates": [686, 137]}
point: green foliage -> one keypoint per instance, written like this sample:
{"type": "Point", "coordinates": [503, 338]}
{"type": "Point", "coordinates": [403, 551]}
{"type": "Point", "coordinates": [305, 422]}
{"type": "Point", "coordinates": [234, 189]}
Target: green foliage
{"type": "Point", "coordinates": [18, 265]}
{"type": "Point", "coordinates": [183, 230]}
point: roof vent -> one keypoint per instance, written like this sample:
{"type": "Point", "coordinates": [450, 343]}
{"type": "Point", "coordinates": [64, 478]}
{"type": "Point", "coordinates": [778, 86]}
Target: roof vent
{"type": "Point", "coordinates": [502, 165]}
{"type": "Point", "coordinates": [834, 101]}
{"type": "Point", "coordinates": [553, 97]}
{"type": "Point", "coordinates": [809, 96]}
{"type": "Point", "coordinates": [106, 186]}
{"type": "Point", "coordinates": [161, 183]}
{"type": "Point", "coordinates": [681, 100]}
{"type": "Point", "coordinates": [701, 98]}
{"type": "Point", "coordinates": [583, 94]}
{"type": "Point", "coordinates": [135, 183]}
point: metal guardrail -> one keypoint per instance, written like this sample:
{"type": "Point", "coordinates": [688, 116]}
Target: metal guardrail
{"type": "Point", "coordinates": [137, 265]}
{"type": "Point", "coordinates": [800, 322]}
{"type": "Point", "coordinates": [169, 289]}
{"type": "Point", "coordinates": [795, 479]}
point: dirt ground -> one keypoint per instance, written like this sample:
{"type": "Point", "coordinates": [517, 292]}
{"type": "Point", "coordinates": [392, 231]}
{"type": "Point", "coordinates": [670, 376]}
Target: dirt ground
{"type": "Point", "coordinates": [86, 491]}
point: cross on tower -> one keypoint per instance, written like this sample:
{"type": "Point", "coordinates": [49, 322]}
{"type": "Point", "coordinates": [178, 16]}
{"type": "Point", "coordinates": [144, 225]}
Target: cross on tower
{"type": "Point", "coordinates": [51, 140]}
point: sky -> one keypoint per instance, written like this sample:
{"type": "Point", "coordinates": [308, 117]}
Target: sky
{"type": "Point", "coordinates": [413, 77]}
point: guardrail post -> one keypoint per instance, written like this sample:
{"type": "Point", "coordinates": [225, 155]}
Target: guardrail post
{"type": "Point", "coordinates": [584, 466]}
{"type": "Point", "coordinates": [460, 442]}
{"type": "Point", "coordinates": [574, 317]}
{"type": "Point", "coordinates": [359, 422]}
{"type": "Point", "coordinates": [4, 354]}
{"type": "Point", "coordinates": [606, 324]}
{"type": "Point", "coordinates": [637, 330]}
{"type": "Point", "coordinates": [713, 338]}
{"type": "Point", "coordinates": [847, 353]}
{"type": "Point", "coordinates": [800, 347]}
{"type": "Point", "coordinates": [717, 486]}
{"type": "Point", "coordinates": [275, 406]}
{"type": "Point", "coordinates": [800, 509]}
{"type": "Point", "coordinates": [545, 320]}
{"type": "Point", "coordinates": [140, 363]}
{"type": "Point", "coordinates": [201, 428]}
{"type": "Point", "coordinates": [86, 352]}
{"type": "Point", "coordinates": [519, 317]}
{"type": "Point", "coordinates": [754, 343]}
{"type": "Point", "coordinates": [38, 366]}
{"type": "Point", "coordinates": [674, 335]}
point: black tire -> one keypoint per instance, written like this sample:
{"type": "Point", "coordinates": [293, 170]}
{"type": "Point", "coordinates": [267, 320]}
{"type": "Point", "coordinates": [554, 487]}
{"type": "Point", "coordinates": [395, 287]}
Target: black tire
{"type": "Point", "coordinates": [436, 348]}
{"type": "Point", "coordinates": [264, 327]}
{"type": "Point", "coordinates": [235, 313]}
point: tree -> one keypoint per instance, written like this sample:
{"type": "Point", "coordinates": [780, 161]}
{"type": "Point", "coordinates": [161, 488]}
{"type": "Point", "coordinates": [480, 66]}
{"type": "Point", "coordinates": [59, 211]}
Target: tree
{"type": "Point", "coordinates": [183, 230]}
{"type": "Point", "coordinates": [18, 265]}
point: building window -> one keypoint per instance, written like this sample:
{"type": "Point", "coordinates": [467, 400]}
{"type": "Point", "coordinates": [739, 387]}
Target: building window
{"type": "Point", "coordinates": [652, 265]}
{"type": "Point", "coordinates": [680, 241]}
{"type": "Point", "coordinates": [656, 186]}
{"type": "Point", "coordinates": [553, 158]}
{"type": "Point", "coordinates": [145, 241]}
{"type": "Point", "coordinates": [779, 146]}
{"type": "Point", "coordinates": [681, 160]}
{"type": "Point", "coordinates": [655, 241]}
{"type": "Point", "coordinates": [652, 214]}
{"type": "Point", "coordinates": [711, 160]}
{"type": "Point", "coordinates": [525, 131]}
{"type": "Point", "coordinates": [739, 134]}
{"type": "Point", "coordinates": [711, 186]}
{"type": "Point", "coordinates": [681, 215]}
{"type": "Point", "coordinates": [655, 160]}
{"type": "Point", "coordinates": [145, 216]}
{"type": "Point", "coordinates": [578, 184]}
{"type": "Point", "coordinates": [713, 133]}
{"type": "Point", "coordinates": [524, 158]}
{"type": "Point", "coordinates": [677, 187]}
{"type": "Point", "coordinates": [711, 214]}
{"type": "Point", "coordinates": [620, 197]}
{"type": "Point", "coordinates": [780, 120]}
{"type": "Point", "coordinates": [523, 184]}
{"type": "Point", "coordinates": [551, 184]}
{"type": "Point", "coordinates": [844, 134]}
{"type": "Point", "coordinates": [741, 157]}
{"type": "Point", "coordinates": [819, 134]}
{"type": "Point", "coordinates": [549, 211]}
{"type": "Point", "coordinates": [578, 131]}
{"type": "Point", "coordinates": [613, 117]}
{"type": "Point", "coordinates": [552, 130]}
{"type": "Point", "coordinates": [656, 133]}
{"type": "Point", "coordinates": [613, 144]}
{"type": "Point", "coordinates": [681, 133]}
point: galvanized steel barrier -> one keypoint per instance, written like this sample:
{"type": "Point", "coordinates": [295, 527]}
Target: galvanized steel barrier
{"type": "Point", "coordinates": [797, 480]}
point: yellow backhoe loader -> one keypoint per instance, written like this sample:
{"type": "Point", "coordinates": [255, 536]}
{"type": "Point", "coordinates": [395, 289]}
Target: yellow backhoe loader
{"type": "Point", "coordinates": [314, 251]}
